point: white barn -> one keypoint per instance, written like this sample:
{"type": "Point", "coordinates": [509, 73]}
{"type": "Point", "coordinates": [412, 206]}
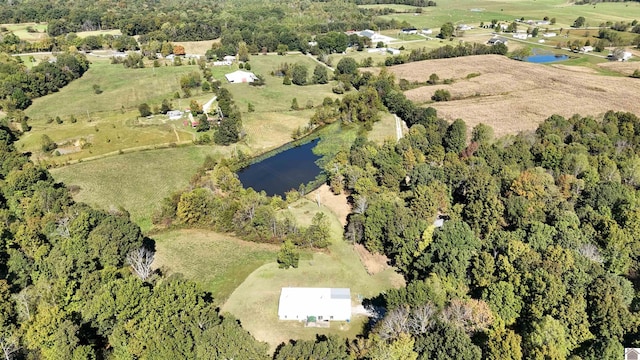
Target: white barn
{"type": "Point", "coordinates": [325, 304]}
{"type": "Point", "coordinates": [240, 76]}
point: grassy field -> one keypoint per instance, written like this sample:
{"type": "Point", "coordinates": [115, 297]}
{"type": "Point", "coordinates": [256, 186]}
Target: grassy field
{"type": "Point", "coordinates": [20, 30]}
{"type": "Point", "coordinates": [383, 130]}
{"type": "Point", "coordinates": [474, 12]}
{"type": "Point", "coordinates": [255, 302]}
{"type": "Point", "coordinates": [218, 262]}
{"type": "Point", "coordinates": [274, 96]}
{"type": "Point", "coordinates": [84, 34]}
{"type": "Point", "coordinates": [122, 88]}
{"type": "Point", "coordinates": [137, 181]}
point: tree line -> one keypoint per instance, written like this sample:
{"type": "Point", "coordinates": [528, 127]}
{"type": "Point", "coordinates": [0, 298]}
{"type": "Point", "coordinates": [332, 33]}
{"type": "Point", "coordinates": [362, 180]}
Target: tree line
{"type": "Point", "coordinates": [19, 85]}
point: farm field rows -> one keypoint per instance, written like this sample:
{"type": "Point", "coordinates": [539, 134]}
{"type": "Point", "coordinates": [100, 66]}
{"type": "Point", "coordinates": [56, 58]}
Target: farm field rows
{"type": "Point", "coordinates": [512, 96]}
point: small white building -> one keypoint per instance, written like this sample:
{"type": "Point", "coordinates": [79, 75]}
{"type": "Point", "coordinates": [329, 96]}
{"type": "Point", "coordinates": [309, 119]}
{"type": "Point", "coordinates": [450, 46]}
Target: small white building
{"type": "Point", "coordinates": [427, 31]}
{"type": "Point", "coordinates": [464, 27]}
{"type": "Point", "coordinates": [229, 58]}
{"type": "Point", "coordinates": [550, 34]}
{"type": "Point", "coordinates": [521, 36]}
{"type": "Point", "coordinates": [586, 49]}
{"type": "Point", "coordinates": [411, 31]}
{"type": "Point", "coordinates": [375, 37]}
{"type": "Point", "coordinates": [222, 63]}
{"type": "Point", "coordinates": [393, 51]}
{"type": "Point", "coordinates": [174, 114]}
{"type": "Point", "coordinates": [323, 304]}
{"type": "Point", "coordinates": [240, 76]}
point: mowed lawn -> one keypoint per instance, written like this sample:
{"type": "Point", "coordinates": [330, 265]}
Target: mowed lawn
{"type": "Point", "coordinates": [136, 181]}
{"type": "Point", "coordinates": [255, 301]}
{"type": "Point", "coordinates": [218, 262]}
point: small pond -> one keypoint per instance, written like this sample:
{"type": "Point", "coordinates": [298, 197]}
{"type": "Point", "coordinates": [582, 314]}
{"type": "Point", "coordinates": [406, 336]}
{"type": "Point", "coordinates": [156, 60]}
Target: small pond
{"type": "Point", "coordinates": [545, 58]}
{"type": "Point", "coordinates": [283, 171]}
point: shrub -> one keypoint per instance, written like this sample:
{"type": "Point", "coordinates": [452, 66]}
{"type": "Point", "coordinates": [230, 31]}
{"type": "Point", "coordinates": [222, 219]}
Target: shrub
{"type": "Point", "coordinates": [636, 74]}
{"type": "Point", "coordinates": [441, 95]}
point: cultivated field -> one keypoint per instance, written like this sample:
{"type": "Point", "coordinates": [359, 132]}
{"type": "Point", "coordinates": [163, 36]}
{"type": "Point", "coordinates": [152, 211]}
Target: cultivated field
{"type": "Point", "coordinates": [512, 96]}
{"type": "Point", "coordinates": [137, 181]}
{"type": "Point", "coordinates": [255, 302]}
{"type": "Point", "coordinates": [218, 262]}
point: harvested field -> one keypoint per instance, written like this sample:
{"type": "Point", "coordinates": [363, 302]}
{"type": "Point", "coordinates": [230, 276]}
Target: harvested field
{"type": "Point", "coordinates": [625, 68]}
{"type": "Point", "coordinates": [513, 96]}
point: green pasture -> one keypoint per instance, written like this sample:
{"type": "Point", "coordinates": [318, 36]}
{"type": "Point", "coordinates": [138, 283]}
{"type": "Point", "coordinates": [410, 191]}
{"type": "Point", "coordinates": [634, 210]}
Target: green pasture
{"type": "Point", "coordinates": [274, 96]}
{"type": "Point", "coordinates": [218, 262]}
{"type": "Point", "coordinates": [395, 7]}
{"type": "Point", "coordinates": [255, 301]}
{"type": "Point", "coordinates": [84, 34]}
{"type": "Point", "coordinates": [136, 181]}
{"type": "Point", "coordinates": [20, 30]}
{"type": "Point", "coordinates": [122, 89]}
{"type": "Point", "coordinates": [460, 12]}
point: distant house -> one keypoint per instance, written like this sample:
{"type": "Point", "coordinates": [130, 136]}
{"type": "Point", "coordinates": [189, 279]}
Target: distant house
{"type": "Point", "coordinates": [222, 63]}
{"type": "Point", "coordinates": [367, 33]}
{"type": "Point", "coordinates": [315, 304]}
{"type": "Point", "coordinates": [550, 34]}
{"type": "Point", "coordinates": [464, 27]}
{"type": "Point", "coordinates": [586, 49]}
{"type": "Point", "coordinates": [427, 31]}
{"type": "Point", "coordinates": [632, 354]}
{"type": "Point", "coordinates": [497, 40]}
{"type": "Point", "coordinates": [174, 114]}
{"type": "Point", "coordinates": [393, 51]}
{"type": "Point", "coordinates": [375, 37]}
{"type": "Point", "coordinates": [626, 56]}
{"type": "Point", "coordinates": [522, 36]}
{"type": "Point", "coordinates": [170, 57]}
{"type": "Point", "coordinates": [410, 31]}
{"type": "Point", "coordinates": [240, 76]}
{"type": "Point", "coordinates": [229, 58]}
{"type": "Point", "coordinates": [192, 56]}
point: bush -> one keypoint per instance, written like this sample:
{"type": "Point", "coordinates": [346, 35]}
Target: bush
{"type": "Point", "coordinates": [144, 110]}
{"type": "Point", "coordinates": [636, 74]}
{"type": "Point", "coordinates": [441, 95]}
{"type": "Point", "coordinates": [288, 256]}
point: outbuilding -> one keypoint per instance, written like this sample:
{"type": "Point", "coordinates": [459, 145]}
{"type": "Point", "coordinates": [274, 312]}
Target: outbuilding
{"type": "Point", "coordinates": [240, 76]}
{"type": "Point", "coordinates": [315, 304]}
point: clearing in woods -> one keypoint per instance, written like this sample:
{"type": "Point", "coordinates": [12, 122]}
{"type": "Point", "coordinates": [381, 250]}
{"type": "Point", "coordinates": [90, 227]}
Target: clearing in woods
{"type": "Point", "coordinates": [512, 96]}
{"type": "Point", "coordinates": [255, 301]}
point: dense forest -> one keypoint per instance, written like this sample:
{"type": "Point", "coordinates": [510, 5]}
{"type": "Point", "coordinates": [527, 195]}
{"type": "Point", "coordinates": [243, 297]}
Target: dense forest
{"type": "Point", "coordinates": [261, 25]}
{"type": "Point", "coordinates": [537, 257]}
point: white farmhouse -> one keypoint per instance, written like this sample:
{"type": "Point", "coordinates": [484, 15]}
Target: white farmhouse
{"type": "Point", "coordinates": [550, 34]}
{"type": "Point", "coordinates": [240, 76]}
{"type": "Point", "coordinates": [321, 304]}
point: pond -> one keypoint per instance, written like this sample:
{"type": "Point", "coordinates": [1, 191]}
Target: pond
{"type": "Point", "coordinates": [283, 171]}
{"type": "Point", "coordinates": [545, 58]}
